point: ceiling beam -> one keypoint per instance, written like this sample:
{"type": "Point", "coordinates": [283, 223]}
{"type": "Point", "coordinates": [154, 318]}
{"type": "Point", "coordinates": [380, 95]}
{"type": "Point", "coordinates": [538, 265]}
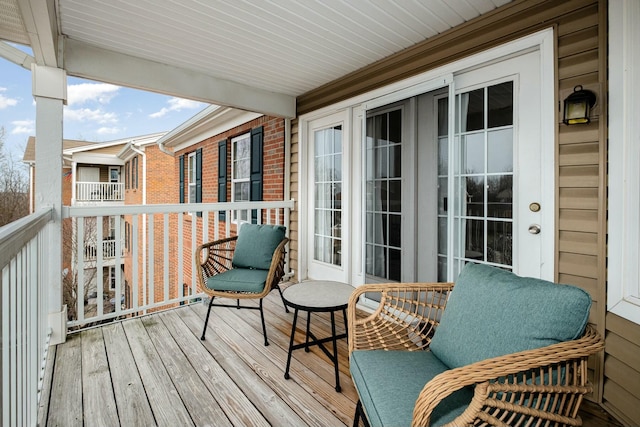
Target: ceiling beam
{"type": "Point", "coordinates": [40, 21]}
{"type": "Point", "coordinates": [91, 62]}
{"type": "Point", "coordinates": [16, 56]}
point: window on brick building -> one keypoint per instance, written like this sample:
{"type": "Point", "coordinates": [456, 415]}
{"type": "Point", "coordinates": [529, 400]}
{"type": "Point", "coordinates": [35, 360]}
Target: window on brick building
{"type": "Point", "coordinates": [126, 176]}
{"type": "Point", "coordinates": [240, 172]}
{"type": "Point", "coordinates": [246, 170]}
{"type": "Point", "coordinates": [127, 236]}
{"type": "Point", "coordinates": [134, 172]}
{"type": "Point", "coordinates": [191, 178]}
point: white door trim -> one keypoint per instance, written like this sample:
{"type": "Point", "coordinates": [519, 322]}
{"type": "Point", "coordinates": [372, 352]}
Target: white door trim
{"type": "Point", "coordinates": [353, 107]}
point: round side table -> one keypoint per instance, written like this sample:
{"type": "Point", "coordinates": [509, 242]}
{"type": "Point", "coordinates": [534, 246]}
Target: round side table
{"type": "Point", "coordinates": [316, 296]}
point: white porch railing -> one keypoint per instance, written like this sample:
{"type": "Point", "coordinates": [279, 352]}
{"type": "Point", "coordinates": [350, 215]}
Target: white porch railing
{"type": "Point", "coordinates": [24, 328]}
{"type": "Point", "coordinates": [108, 250]}
{"type": "Point", "coordinates": [155, 254]}
{"type": "Point", "coordinates": [99, 191]}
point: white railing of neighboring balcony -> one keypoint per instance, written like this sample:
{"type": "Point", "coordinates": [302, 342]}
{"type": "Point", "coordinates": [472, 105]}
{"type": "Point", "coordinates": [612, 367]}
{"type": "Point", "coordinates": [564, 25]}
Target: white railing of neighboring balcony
{"type": "Point", "coordinates": [99, 191]}
{"type": "Point", "coordinates": [155, 251]}
{"type": "Point", "coordinates": [24, 328]}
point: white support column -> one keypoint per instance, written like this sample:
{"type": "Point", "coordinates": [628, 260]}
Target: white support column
{"type": "Point", "coordinates": [50, 93]}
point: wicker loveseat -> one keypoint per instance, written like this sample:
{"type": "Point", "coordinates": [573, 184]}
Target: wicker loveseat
{"type": "Point", "coordinates": [506, 351]}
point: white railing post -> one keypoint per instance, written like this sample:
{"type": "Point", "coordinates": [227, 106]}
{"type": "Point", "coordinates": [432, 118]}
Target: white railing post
{"type": "Point", "coordinates": [50, 92]}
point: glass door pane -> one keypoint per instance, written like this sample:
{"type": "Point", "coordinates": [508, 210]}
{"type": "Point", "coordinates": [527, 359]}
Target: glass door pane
{"type": "Point", "coordinates": [443, 186]}
{"type": "Point", "coordinates": [383, 213]}
{"type": "Point", "coordinates": [327, 164]}
{"type": "Point", "coordinates": [483, 176]}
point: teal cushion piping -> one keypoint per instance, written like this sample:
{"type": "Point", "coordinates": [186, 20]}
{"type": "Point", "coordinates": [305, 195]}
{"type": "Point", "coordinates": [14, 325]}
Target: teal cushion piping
{"type": "Point", "coordinates": [492, 312]}
{"type": "Point", "coordinates": [239, 280]}
{"type": "Point", "coordinates": [256, 244]}
{"type": "Point", "coordinates": [389, 382]}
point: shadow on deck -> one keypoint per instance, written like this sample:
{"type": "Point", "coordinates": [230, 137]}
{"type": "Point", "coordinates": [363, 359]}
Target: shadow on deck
{"type": "Point", "coordinates": [154, 370]}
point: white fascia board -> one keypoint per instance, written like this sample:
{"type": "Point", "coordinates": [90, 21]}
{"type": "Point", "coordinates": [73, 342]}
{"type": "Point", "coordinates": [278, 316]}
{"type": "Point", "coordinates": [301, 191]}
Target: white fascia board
{"type": "Point", "coordinates": [137, 141]}
{"type": "Point", "coordinates": [98, 159]}
{"type": "Point", "coordinates": [92, 62]}
{"type": "Point", "coordinates": [193, 122]}
{"type": "Point", "coordinates": [213, 125]}
{"type": "Point", "coordinates": [127, 152]}
{"type": "Point", "coordinates": [39, 17]}
{"type": "Point", "coordinates": [16, 56]}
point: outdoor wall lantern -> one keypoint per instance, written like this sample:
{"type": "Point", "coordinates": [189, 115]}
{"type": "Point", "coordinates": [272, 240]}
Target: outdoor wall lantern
{"type": "Point", "coordinates": [577, 106]}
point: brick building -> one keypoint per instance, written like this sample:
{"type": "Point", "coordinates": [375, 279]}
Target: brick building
{"type": "Point", "coordinates": [222, 155]}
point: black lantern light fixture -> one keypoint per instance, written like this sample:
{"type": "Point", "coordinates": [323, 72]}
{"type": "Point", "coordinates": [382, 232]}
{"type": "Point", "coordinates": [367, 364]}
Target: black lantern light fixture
{"type": "Point", "coordinates": [577, 106]}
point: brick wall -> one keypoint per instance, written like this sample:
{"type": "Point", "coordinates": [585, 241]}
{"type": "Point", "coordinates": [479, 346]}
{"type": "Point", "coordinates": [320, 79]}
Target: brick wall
{"type": "Point", "coordinates": [160, 189]}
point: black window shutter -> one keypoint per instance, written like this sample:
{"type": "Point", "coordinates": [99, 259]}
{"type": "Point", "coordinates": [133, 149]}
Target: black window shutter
{"type": "Point", "coordinates": [255, 188]}
{"type": "Point", "coordinates": [181, 161]}
{"type": "Point", "coordinates": [222, 174]}
{"type": "Point", "coordinates": [199, 177]}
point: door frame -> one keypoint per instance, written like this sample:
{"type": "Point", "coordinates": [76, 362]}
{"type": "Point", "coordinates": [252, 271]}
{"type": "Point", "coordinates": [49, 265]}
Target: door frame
{"type": "Point", "coordinates": [308, 268]}
{"type": "Point", "coordinates": [353, 108]}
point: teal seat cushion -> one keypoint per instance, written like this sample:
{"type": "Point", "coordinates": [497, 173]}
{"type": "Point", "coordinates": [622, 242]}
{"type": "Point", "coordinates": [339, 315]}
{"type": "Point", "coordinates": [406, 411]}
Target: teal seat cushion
{"type": "Point", "coordinates": [239, 280]}
{"type": "Point", "coordinates": [256, 245]}
{"type": "Point", "coordinates": [492, 312]}
{"type": "Point", "coordinates": [389, 382]}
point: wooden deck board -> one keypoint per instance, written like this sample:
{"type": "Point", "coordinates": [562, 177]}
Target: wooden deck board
{"type": "Point", "coordinates": [158, 372]}
{"type": "Point", "coordinates": [259, 360]}
{"type": "Point", "coordinates": [99, 402]}
{"type": "Point", "coordinates": [224, 371]}
{"type": "Point", "coordinates": [195, 395]}
{"type": "Point", "coordinates": [166, 404]}
{"type": "Point", "coordinates": [66, 386]}
{"type": "Point", "coordinates": [133, 406]}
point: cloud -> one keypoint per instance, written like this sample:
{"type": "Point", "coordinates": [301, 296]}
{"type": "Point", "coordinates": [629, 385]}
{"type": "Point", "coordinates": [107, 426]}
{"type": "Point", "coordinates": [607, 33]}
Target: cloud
{"type": "Point", "coordinates": [86, 114]}
{"type": "Point", "coordinates": [6, 102]}
{"type": "Point", "coordinates": [82, 93]}
{"type": "Point", "coordinates": [23, 126]}
{"type": "Point", "coordinates": [108, 131]}
{"type": "Point", "coordinates": [176, 104]}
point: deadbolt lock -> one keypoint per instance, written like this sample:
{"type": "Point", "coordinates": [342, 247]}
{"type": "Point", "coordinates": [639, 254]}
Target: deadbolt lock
{"type": "Point", "coordinates": [534, 207]}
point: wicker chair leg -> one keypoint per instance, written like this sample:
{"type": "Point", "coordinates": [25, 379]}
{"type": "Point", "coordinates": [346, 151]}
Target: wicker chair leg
{"type": "Point", "coordinates": [264, 327]}
{"type": "Point", "coordinates": [282, 297]}
{"type": "Point", "coordinates": [206, 321]}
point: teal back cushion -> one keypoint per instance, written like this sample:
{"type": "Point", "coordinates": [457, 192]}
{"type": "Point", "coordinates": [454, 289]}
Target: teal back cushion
{"type": "Point", "coordinates": [256, 244]}
{"type": "Point", "coordinates": [493, 312]}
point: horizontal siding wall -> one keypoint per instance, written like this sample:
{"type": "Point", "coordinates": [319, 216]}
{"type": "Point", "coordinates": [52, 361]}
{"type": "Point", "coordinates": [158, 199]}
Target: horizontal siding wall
{"type": "Point", "coordinates": [580, 151]}
{"type": "Point", "coordinates": [622, 375]}
{"type": "Point", "coordinates": [294, 226]}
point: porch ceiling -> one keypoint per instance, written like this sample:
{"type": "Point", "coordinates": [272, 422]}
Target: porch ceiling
{"type": "Point", "coordinates": [256, 54]}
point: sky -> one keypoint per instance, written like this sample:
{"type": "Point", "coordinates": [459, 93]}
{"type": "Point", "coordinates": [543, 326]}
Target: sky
{"type": "Point", "coordinates": [95, 111]}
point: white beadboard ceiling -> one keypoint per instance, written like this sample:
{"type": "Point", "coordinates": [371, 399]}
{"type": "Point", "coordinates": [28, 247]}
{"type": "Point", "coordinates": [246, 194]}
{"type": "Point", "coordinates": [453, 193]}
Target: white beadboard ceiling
{"type": "Point", "coordinates": [284, 47]}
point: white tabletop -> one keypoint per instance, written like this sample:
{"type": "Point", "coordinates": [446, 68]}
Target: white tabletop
{"type": "Point", "coordinates": [318, 295]}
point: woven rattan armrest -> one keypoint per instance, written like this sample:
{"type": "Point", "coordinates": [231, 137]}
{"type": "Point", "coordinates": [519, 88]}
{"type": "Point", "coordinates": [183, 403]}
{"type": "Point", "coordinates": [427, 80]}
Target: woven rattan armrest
{"type": "Point", "coordinates": [556, 374]}
{"type": "Point", "coordinates": [214, 257]}
{"type": "Point", "coordinates": [405, 319]}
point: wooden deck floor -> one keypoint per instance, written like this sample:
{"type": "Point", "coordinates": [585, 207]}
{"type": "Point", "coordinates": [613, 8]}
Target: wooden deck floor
{"type": "Point", "coordinates": [155, 370]}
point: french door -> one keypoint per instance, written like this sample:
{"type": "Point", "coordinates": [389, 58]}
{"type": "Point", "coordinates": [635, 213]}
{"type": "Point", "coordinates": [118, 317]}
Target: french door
{"type": "Point", "coordinates": [327, 198]}
{"type": "Point", "coordinates": [460, 174]}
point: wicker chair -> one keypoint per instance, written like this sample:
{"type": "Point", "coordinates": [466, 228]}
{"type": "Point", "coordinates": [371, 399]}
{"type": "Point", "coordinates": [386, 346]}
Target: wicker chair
{"type": "Point", "coordinates": [225, 273]}
{"type": "Point", "coordinates": [540, 386]}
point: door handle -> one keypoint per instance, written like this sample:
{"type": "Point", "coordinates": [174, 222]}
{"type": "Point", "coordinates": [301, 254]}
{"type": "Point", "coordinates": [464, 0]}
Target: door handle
{"type": "Point", "coordinates": [534, 229]}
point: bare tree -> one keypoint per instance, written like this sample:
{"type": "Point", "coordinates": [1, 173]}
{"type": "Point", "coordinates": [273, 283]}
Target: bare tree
{"type": "Point", "coordinates": [14, 186]}
{"type": "Point", "coordinates": [94, 282]}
